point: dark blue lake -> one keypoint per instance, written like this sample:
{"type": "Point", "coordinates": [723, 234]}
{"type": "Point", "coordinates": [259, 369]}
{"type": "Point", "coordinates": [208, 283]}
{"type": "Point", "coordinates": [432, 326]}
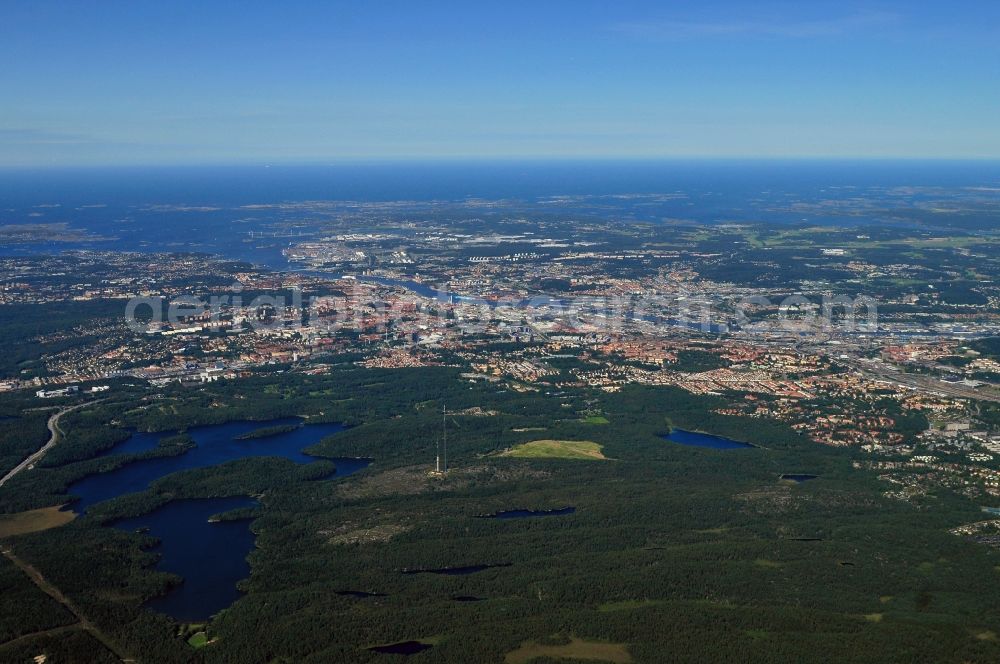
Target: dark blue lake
{"type": "Point", "coordinates": [693, 439]}
{"type": "Point", "coordinates": [798, 477]}
{"type": "Point", "coordinates": [214, 445]}
{"type": "Point", "coordinates": [211, 557]}
{"type": "Point", "coordinates": [137, 443]}
{"type": "Point", "coordinates": [529, 514]}
{"type": "Point", "coordinates": [402, 648]}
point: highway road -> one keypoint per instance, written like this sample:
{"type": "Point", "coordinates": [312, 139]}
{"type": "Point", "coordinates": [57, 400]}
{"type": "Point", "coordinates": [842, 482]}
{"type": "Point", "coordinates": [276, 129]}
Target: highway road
{"type": "Point", "coordinates": [54, 434]}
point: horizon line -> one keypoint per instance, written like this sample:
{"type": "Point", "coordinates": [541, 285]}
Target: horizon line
{"type": "Point", "coordinates": [493, 159]}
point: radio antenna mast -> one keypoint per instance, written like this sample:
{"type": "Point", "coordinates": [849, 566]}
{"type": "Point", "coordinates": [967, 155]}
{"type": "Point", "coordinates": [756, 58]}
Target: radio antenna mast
{"type": "Point", "coordinates": [437, 458]}
{"type": "Point", "coordinates": [441, 460]}
{"type": "Point", "coordinates": [444, 435]}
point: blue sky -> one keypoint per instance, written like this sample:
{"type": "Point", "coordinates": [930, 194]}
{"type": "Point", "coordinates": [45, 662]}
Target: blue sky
{"type": "Point", "coordinates": [136, 82]}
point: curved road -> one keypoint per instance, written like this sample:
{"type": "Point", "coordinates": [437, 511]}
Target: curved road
{"type": "Point", "coordinates": [54, 434]}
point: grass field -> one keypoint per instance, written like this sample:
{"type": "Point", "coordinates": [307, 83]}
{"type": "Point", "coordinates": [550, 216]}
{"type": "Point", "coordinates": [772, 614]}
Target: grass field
{"type": "Point", "coordinates": [198, 640]}
{"type": "Point", "coordinates": [575, 649]}
{"type": "Point", "coordinates": [557, 449]}
{"type": "Point", "coordinates": [596, 419]}
{"type": "Point", "coordinates": [769, 564]}
{"type": "Point", "coordinates": [33, 521]}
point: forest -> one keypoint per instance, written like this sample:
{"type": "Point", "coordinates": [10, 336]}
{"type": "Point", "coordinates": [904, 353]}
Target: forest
{"type": "Point", "coordinates": [679, 553]}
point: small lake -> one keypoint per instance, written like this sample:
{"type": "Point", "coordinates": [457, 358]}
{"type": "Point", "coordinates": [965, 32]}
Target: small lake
{"type": "Point", "coordinates": [210, 556]}
{"type": "Point", "coordinates": [214, 444]}
{"type": "Point", "coordinates": [694, 439]}
{"type": "Point", "coordinates": [529, 514]}
{"type": "Point", "coordinates": [798, 477]}
{"type": "Point", "coordinates": [402, 648]}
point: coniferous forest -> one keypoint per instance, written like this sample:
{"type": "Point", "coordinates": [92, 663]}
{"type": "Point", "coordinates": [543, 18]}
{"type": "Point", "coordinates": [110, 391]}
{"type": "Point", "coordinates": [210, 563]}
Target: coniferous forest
{"type": "Point", "coordinates": [677, 553]}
